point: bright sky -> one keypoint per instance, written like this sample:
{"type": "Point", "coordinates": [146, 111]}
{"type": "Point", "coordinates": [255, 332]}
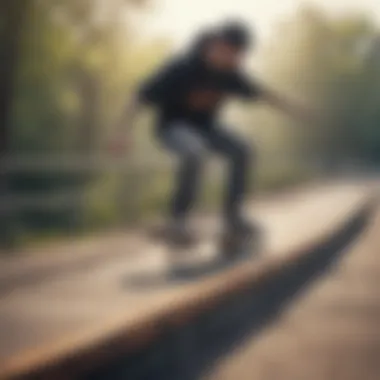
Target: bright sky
{"type": "Point", "coordinates": [179, 19]}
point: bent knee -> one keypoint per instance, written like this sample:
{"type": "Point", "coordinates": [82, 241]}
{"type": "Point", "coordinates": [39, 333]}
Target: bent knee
{"type": "Point", "coordinates": [243, 153]}
{"type": "Point", "coordinates": [186, 144]}
{"type": "Point", "coordinates": [194, 153]}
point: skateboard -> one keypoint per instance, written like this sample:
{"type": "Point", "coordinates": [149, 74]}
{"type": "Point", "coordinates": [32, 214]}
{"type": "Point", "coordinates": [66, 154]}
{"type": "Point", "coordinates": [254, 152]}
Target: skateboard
{"type": "Point", "coordinates": [212, 252]}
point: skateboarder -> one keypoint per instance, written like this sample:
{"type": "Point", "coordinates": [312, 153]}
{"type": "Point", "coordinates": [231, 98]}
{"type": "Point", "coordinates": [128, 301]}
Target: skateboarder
{"type": "Point", "coordinates": [187, 93]}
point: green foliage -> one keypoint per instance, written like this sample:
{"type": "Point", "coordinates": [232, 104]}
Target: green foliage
{"type": "Point", "coordinates": [77, 64]}
{"type": "Point", "coordinates": [80, 61]}
{"type": "Point", "coordinates": [332, 64]}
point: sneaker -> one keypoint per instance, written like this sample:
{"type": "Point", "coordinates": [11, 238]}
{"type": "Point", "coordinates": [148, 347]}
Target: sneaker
{"type": "Point", "coordinates": [176, 234]}
{"type": "Point", "coordinates": [181, 235]}
{"type": "Point", "coordinates": [242, 228]}
{"type": "Point", "coordinates": [240, 237]}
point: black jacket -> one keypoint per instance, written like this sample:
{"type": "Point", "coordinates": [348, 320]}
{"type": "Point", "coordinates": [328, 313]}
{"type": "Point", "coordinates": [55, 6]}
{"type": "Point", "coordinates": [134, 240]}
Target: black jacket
{"type": "Point", "coordinates": [185, 89]}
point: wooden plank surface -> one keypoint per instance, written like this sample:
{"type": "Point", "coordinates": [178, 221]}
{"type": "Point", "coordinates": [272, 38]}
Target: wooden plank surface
{"type": "Point", "coordinates": [128, 294]}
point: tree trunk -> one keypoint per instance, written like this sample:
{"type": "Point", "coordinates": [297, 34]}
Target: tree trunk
{"type": "Point", "coordinates": [87, 138]}
{"type": "Point", "coordinates": [90, 113]}
{"type": "Point", "coordinates": [12, 19]}
{"type": "Point", "coordinates": [13, 14]}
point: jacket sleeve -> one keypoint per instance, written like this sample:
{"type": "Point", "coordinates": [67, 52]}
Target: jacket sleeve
{"type": "Point", "coordinates": [161, 86]}
{"type": "Point", "coordinates": [245, 87]}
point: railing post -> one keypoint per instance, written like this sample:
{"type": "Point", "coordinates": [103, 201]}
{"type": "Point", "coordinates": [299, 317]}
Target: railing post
{"type": "Point", "coordinates": [6, 230]}
{"type": "Point", "coordinates": [128, 197]}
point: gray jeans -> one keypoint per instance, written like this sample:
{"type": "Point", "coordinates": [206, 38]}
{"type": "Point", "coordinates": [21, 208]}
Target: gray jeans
{"type": "Point", "coordinates": [190, 147]}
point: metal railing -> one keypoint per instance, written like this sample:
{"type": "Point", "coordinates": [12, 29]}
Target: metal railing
{"type": "Point", "coordinates": [75, 164]}
{"type": "Point", "coordinates": [65, 164]}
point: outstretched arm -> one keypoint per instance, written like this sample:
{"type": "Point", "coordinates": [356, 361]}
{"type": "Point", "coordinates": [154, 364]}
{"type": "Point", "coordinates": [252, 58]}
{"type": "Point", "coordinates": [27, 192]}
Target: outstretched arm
{"type": "Point", "coordinates": [154, 91]}
{"type": "Point", "coordinates": [280, 102]}
{"type": "Point", "coordinates": [125, 123]}
{"type": "Point", "coordinates": [129, 114]}
{"type": "Point", "coordinates": [149, 93]}
{"type": "Point", "coordinates": [247, 88]}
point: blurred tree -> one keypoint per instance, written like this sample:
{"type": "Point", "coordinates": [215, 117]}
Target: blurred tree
{"type": "Point", "coordinates": [12, 20]}
{"type": "Point", "coordinates": [67, 66]}
{"type": "Point", "coordinates": [332, 63]}
{"type": "Point", "coordinates": [71, 67]}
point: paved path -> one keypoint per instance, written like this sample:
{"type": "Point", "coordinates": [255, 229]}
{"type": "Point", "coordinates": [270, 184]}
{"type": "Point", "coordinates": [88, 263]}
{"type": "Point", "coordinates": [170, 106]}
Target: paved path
{"type": "Point", "coordinates": [73, 304]}
{"type": "Point", "coordinates": [332, 332]}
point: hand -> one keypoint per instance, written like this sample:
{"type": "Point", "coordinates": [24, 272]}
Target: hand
{"type": "Point", "coordinates": [119, 145]}
{"type": "Point", "coordinates": [307, 115]}
{"type": "Point", "coordinates": [297, 111]}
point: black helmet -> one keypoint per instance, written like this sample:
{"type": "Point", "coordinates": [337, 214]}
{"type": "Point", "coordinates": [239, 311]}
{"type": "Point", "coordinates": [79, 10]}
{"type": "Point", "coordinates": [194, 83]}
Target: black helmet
{"type": "Point", "coordinates": [236, 33]}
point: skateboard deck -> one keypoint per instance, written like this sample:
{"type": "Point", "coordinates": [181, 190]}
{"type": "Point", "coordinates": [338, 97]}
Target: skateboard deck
{"type": "Point", "coordinates": [208, 255]}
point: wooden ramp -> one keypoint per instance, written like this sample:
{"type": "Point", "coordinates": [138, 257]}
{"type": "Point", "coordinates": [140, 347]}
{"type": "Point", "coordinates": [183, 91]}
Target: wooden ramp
{"type": "Point", "coordinates": [330, 332]}
{"type": "Point", "coordinates": [76, 320]}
